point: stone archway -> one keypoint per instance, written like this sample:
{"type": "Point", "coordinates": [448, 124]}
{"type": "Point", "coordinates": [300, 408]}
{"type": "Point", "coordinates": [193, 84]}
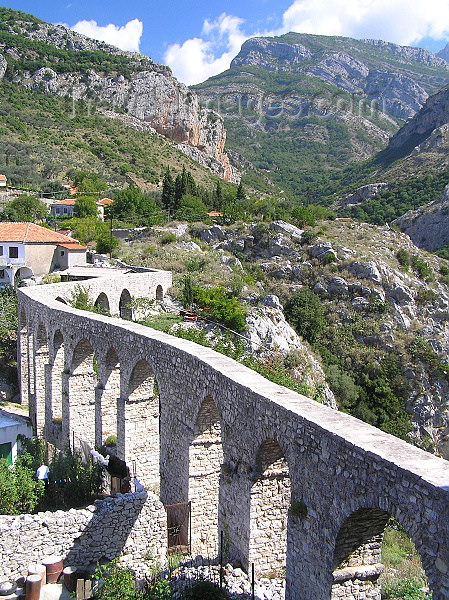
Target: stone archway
{"type": "Point", "coordinates": [22, 274]}
{"type": "Point", "coordinates": [125, 309]}
{"type": "Point", "coordinates": [138, 427]}
{"type": "Point", "coordinates": [82, 382]}
{"type": "Point", "coordinates": [107, 398]}
{"type": "Point", "coordinates": [102, 304]}
{"type": "Point", "coordinates": [269, 506]}
{"type": "Point", "coordinates": [54, 424]}
{"type": "Point", "coordinates": [40, 384]}
{"type": "Point", "coordinates": [205, 459]}
{"type": "Point", "coordinates": [357, 561]}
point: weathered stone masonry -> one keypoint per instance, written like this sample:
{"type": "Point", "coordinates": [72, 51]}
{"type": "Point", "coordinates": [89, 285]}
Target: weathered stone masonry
{"type": "Point", "coordinates": [132, 525]}
{"type": "Point", "coordinates": [241, 448]}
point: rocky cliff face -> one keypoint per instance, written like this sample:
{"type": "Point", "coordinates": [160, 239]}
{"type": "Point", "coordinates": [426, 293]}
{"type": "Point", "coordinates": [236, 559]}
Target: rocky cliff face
{"type": "Point", "coordinates": [444, 53]}
{"type": "Point", "coordinates": [148, 93]}
{"type": "Point", "coordinates": [378, 70]}
{"type": "Point", "coordinates": [434, 114]}
{"type": "Point", "coordinates": [428, 227]}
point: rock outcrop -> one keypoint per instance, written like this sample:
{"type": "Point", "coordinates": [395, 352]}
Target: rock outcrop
{"type": "Point", "coordinates": [148, 93]}
{"type": "Point", "coordinates": [428, 226]}
{"type": "Point", "coordinates": [434, 114]}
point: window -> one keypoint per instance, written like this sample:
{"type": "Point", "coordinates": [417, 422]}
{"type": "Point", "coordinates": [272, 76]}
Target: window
{"type": "Point", "coordinates": [6, 452]}
{"type": "Point", "coordinates": [1, 250]}
{"type": "Point", "coordinates": [2, 274]}
{"type": "Point", "coordinates": [62, 252]}
{"type": "Point", "coordinates": [14, 252]}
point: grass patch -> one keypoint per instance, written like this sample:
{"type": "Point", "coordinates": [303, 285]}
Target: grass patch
{"type": "Point", "coordinates": [162, 322]}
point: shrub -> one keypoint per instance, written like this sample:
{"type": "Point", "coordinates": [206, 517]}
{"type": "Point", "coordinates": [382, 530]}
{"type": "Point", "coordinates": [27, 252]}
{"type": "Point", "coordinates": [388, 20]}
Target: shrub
{"type": "Point", "coordinates": [305, 313]}
{"type": "Point", "coordinates": [168, 238]}
{"type": "Point", "coordinates": [204, 590]}
{"type": "Point", "coordinates": [19, 491]}
{"type": "Point", "coordinates": [114, 581]}
{"type": "Point", "coordinates": [421, 267]}
{"type": "Point", "coordinates": [403, 257]}
{"type": "Point", "coordinates": [224, 309]}
{"type": "Point", "coordinates": [110, 441]}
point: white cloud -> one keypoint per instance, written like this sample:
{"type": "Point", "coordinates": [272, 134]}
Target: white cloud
{"type": "Point", "coordinates": [400, 21]}
{"type": "Point", "coordinates": [199, 58]}
{"type": "Point", "coordinates": [126, 37]}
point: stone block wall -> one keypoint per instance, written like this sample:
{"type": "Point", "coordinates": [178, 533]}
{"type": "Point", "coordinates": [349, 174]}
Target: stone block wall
{"type": "Point", "coordinates": [131, 525]}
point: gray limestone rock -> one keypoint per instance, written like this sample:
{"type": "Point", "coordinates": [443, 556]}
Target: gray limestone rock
{"type": "Point", "coordinates": [367, 270]}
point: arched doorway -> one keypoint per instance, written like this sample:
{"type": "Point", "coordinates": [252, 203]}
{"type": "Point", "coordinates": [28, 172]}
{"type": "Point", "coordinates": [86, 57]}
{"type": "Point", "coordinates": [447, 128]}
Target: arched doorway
{"type": "Point", "coordinates": [125, 309]}
{"type": "Point", "coordinates": [205, 459]}
{"type": "Point", "coordinates": [269, 506]}
{"type": "Point", "coordinates": [159, 293]}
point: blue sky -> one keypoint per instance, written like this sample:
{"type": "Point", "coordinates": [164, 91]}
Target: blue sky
{"type": "Point", "coordinates": [198, 39]}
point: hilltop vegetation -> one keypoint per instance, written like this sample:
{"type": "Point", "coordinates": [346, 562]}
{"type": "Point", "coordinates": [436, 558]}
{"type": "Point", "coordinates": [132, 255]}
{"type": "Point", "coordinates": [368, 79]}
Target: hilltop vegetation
{"type": "Point", "coordinates": [43, 136]}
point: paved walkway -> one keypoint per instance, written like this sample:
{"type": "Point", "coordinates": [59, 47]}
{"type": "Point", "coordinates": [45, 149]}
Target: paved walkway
{"type": "Point", "coordinates": [54, 591]}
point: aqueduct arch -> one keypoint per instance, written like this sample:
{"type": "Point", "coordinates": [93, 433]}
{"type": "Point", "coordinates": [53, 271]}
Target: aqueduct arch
{"type": "Point", "coordinates": [81, 383]}
{"type": "Point", "coordinates": [125, 309]}
{"type": "Point", "coordinates": [138, 433]}
{"type": "Point", "coordinates": [341, 465]}
{"type": "Point", "coordinates": [102, 303]}
{"type": "Point", "coordinates": [107, 395]}
{"type": "Point", "coordinates": [269, 507]}
{"type": "Point", "coordinates": [41, 358]}
{"type": "Point", "coordinates": [205, 459]}
{"type": "Point", "coordinates": [53, 426]}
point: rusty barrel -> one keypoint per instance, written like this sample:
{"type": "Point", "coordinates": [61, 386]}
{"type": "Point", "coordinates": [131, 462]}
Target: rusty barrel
{"type": "Point", "coordinates": [33, 587]}
{"type": "Point", "coordinates": [53, 567]}
{"type": "Point", "coordinates": [70, 577]}
{"type": "Point", "coordinates": [37, 569]}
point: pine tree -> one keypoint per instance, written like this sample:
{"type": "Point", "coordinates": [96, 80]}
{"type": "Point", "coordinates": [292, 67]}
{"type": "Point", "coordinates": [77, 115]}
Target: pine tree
{"type": "Point", "coordinates": [241, 193]}
{"type": "Point", "coordinates": [168, 191]}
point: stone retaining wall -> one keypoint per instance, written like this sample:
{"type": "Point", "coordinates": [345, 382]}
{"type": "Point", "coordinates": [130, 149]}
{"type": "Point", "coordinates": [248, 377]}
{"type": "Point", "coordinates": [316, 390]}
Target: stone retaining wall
{"type": "Point", "coordinates": [131, 525]}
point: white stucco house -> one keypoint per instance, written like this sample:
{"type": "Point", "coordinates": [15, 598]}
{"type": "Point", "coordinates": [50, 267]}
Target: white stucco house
{"type": "Point", "coordinates": [11, 426]}
{"type": "Point", "coordinates": [28, 250]}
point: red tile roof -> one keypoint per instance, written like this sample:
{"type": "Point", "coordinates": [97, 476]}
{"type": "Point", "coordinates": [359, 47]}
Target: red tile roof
{"type": "Point", "coordinates": [2, 177]}
{"type": "Point", "coordinates": [31, 233]}
{"type": "Point", "coordinates": [66, 202]}
{"type": "Point", "coordinates": [73, 246]}
{"type": "Point", "coordinates": [105, 201]}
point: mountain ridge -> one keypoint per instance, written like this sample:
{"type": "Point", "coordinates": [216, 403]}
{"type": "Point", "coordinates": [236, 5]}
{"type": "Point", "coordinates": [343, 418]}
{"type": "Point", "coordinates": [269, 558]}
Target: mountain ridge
{"type": "Point", "coordinates": [59, 61]}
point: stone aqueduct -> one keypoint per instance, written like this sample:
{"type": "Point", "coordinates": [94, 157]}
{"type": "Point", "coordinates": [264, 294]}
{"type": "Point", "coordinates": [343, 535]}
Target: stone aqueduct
{"type": "Point", "coordinates": [292, 484]}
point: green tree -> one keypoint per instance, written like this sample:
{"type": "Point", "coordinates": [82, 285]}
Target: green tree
{"type": "Point", "coordinates": [304, 312]}
{"type": "Point", "coordinates": [86, 206]}
{"type": "Point", "coordinates": [168, 191]}
{"type": "Point", "coordinates": [19, 492]}
{"type": "Point", "coordinates": [191, 209]}
{"type": "Point", "coordinates": [106, 243]}
{"type": "Point", "coordinates": [241, 193]}
{"type": "Point", "coordinates": [24, 208]}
